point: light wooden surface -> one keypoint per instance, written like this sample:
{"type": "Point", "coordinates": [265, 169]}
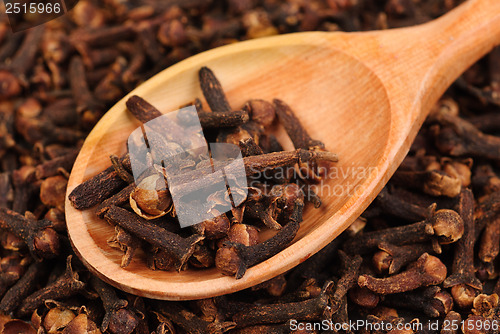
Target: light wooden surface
{"type": "Point", "coordinates": [364, 94]}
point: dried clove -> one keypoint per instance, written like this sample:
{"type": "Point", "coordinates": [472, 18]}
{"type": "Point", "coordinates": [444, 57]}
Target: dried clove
{"type": "Point", "coordinates": [5, 190]}
{"type": "Point", "coordinates": [11, 269]}
{"type": "Point", "coordinates": [235, 258]}
{"type": "Point", "coordinates": [191, 181]}
{"type": "Point", "coordinates": [56, 165]}
{"type": "Point", "coordinates": [22, 181]}
{"type": "Point", "coordinates": [261, 112]}
{"type": "Point", "coordinates": [465, 286]}
{"type": "Point", "coordinates": [126, 243]}
{"type": "Point", "coordinates": [23, 287]}
{"type": "Point", "coordinates": [219, 119]}
{"type": "Point", "coordinates": [485, 180]}
{"type": "Point", "coordinates": [212, 90]}
{"type": "Point", "coordinates": [432, 182]}
{"type": "Point", "coordinates": [274, 287]}
{"type": "Point", "coordinates": [350, 268]}
{"type": "Point", "coordinates": [96, 189]}
{"type": "Point", "coordinates": [215, 228]}
{"type": "Point", "coordinates": [249, 147]}
{"type": "Point", "coordinates": [109, 89]}
{"type": "Point", "coordinates": [119, 199]}
{"type": "Point", "coordinates": [364, 297]}
{"type": "Point", "coordinates": [396, 206]}
{"type": "Point", "coordinates": [489, 246]}
{"type": "Point", "coordinates": [12, 79]}
{"type": "Point", "coordinates": [86, 104]}
{"type": "Point", "coordinates": [451, 318]}
{"type": "Point", "coordinates": [444, 224]}
{"type": "Point", "coordinates": [117, 318]}
{"type": "Point", "coordinates": [294, 128]}
{"type": "Point", "coordinates": [104, 36]}
{"type": "Point", "coordinates": [427, 270]}
{"type": "Point", "coordinates": [310, 309]}
{"type": "Point", "coordinates": [247, 235]}
{"type": "Point", "coordinates": [190, 322]}
{"type": "Point", "coordinates": [61, 82]}
{"type": "Point", "coordinates": [459, 137]}
{"type": "Point", "coordinates": [65, 286]}
{"type": "Point", "coordinates": [391, 258]}
{"type": "Point", "coordinates": [53, 191]}
{"type": "Point", "coordinates": [179, 247]}
{"type": "Point", "coordinates": [42, 240]}
{"type": "Point", "coordinates": [431, 300]}
{"type": "Point", "coordinates": [301, 140]}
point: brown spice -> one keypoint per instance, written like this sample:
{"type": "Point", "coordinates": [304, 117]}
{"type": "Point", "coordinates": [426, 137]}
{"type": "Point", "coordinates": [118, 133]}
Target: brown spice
{"type": "Point", "coordinates": [42, 240]}
{"type": "Point", "coordinates": [212, 90]}
{"type": "Point", "coordinates": [391, 258]}
{"type": "Point", "coordinates": [235, 258]}
{"type": "Point", "coordinates": [432, 182]}
{"type": "Point", "coordinates": [446, 225]}
{"type": "Point", "coordinates": [275, 313]}
{"type": "Point", "coordinates": [427, 270]}
{"type": "Point", "coordinates": [179, 247]}
{"type": "Point", "coordinates": [350, 267]}
{"type": "Point", "coordinates": [190, 322]}
{"type": "Point", "coordinates": [463, 281]}
{"type": "Point", "coordinates": [400, 208]}
{"type": "Point", "coordinates": [19, 291]}
{"type": "Point", "coordinates": [117, 318]}
{"type": "Point", "coordinates": [65, 286]}
{"type": "Point", "coordinates": [433, 301]}
{"type": "Point", "coordinates": [96, 189]}
{"type": "Point", "coordinates": [126, 242]}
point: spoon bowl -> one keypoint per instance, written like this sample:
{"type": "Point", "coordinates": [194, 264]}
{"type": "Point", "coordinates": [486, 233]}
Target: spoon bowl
{"type": "Point", "coordinates": [355, 92]}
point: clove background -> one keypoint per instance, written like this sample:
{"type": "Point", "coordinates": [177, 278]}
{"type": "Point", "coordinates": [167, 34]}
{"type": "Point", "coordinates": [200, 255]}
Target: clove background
{"type": "Point", "coordinates": [425, 251]}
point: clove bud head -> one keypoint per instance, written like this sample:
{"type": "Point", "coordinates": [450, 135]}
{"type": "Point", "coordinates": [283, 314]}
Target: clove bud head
{"type": "Point", "coordinates": [448, 226]}
{"type": "Point", "coordinates": [122, 322]}
{"type": "Point", "coordinates": [382, 261]}
{"type": "Point", "coordinates": [261, 111]}
{"type": "Point", "coordinates": [464, 295]}
{"type": "Point", "coordinates": [364, 297]}
{"type": "Point", "coordinates": [215, 228]}
{"type": "Point", "coordinates": [9, 85]}
{"type": "Point", "coordinates": [287, 195]}
{"type": "Point", "coordinates": [46, 243]}
{"type": "Point", "coordinates": [433, 271]}
{"type": "Point", "coordinates": [427, 270]}
{"type": "Point", "coordinates": [81, 324]}
{"type": "Point", "coordinates": [441, 303]}
{"type": "Point", "coordinates": [227, 260]}
{"type": "Point", "coordinates": [151, 199]}
{"type": "Point", "coordinates": [57, 317]}
{"type": "Point", "coordinates": [247, 235]}
{"type": "Point", "coordinates": [486, 305]}
{"type": "Point", "coordinates": [442, 184]}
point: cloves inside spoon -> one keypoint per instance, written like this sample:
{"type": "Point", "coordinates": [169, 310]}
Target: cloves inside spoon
{"type": "Point", "coordinates": [365, 95]}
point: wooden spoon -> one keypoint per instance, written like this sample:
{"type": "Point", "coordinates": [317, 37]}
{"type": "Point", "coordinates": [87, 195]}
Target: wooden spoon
{"type": "Point", "coordinates": [363, 94]}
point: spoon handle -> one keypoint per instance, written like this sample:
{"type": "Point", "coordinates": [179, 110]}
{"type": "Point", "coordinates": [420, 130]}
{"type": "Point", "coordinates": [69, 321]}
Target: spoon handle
{"type": "Point", "coordinates": [417, 64]}
{"type": "Point", "coordinates": [451, 44]}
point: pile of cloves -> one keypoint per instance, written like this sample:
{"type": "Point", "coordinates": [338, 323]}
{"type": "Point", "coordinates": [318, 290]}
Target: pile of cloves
{"type": "Point", "coordinates": [423, 256]}
{"type": "Point", "coordinates": [141, 205]}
